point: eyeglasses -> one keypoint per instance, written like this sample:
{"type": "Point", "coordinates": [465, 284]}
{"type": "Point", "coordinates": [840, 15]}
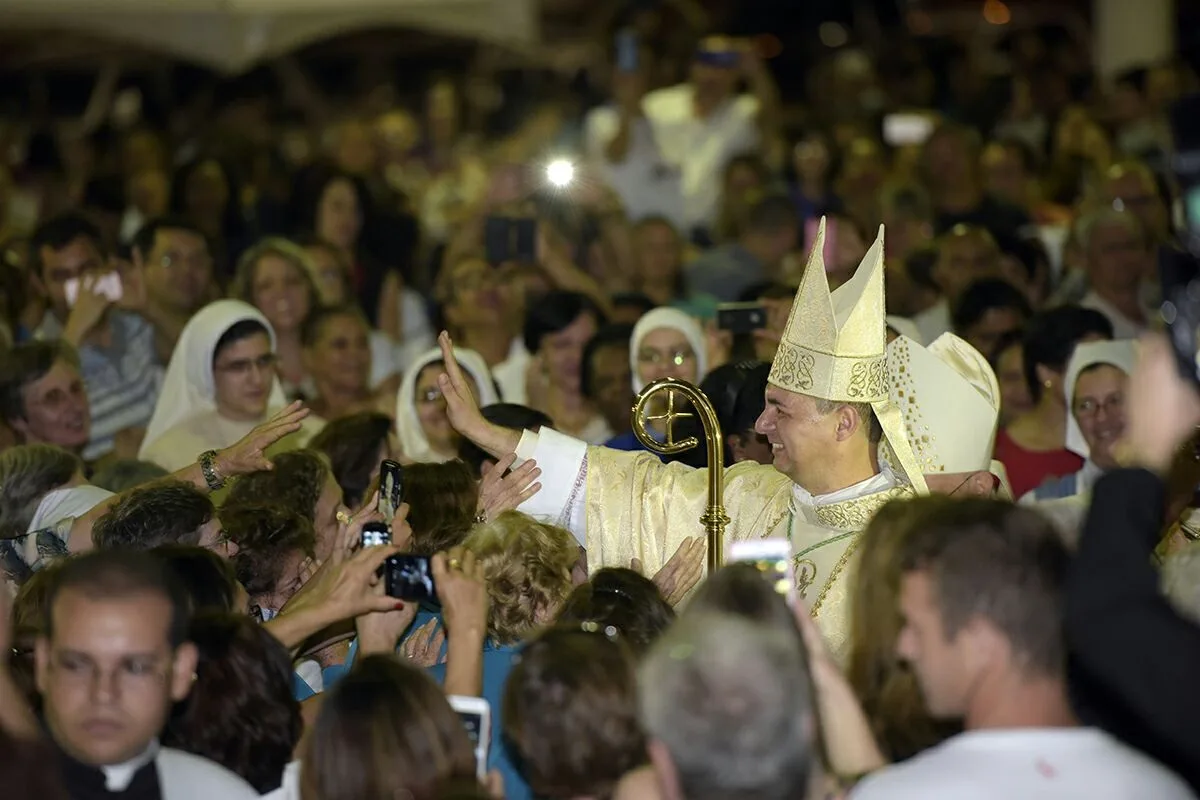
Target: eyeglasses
{"type": "Point", "coordinates": [659, 358]}
{"type": "Point", "coordinates": [243, 367]}
{"type": "Point", "coordinates": [131, 676]}
{"type": "Point", "coordinates": [429, 396]}
{"type": "Point", "coordinates": [1090, 408]}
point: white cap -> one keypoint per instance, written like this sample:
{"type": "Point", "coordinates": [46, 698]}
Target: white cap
{"type": "Point", "coordinates": [950, 400]}
{"type": "Point", "coordinates": [1121, 354]}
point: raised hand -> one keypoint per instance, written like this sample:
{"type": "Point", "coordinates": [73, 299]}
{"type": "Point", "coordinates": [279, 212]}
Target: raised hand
{"type": "Point", "coordinates": [681, 573]}
{"type": "Point", "coordinates": [502, 490]}
{"type": "Point", "coordinates": [1163, 408]}
{"type": "Point", "coordinates": [90, 306]}
{"type": "Point", "coordinates": [249, 453]}
{"type": "Point", "coordinates": [461, 591]}
{"type": "Point", "coordinates": [343, 589]}
{"type": "Point", "coordinates": [461, 407]}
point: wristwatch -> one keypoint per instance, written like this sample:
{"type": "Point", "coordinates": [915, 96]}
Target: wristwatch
{"type": "Point", "coordinates": [208, 467]}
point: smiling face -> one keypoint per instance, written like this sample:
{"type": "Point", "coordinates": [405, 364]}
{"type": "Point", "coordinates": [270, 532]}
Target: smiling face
{"type": "Point", "coordinates": [341, 355]}
{"type": "Point", "coordinates": [56, 409]}
{"type": "Point", "coordinates": [109, 675]}
{"type": "Point", "coordinates": [799, 434]}
{"type": "Point", "coordinates": [339, 217]}
{"type": "Point", "coordinates": [431, 408]}
{"type": "Point", "coordinates": [666, 353]}
{"type": "Point", "coordinates": [1099, 408]}
{"type": "Point", "coordinates": [243, 372]}
{"type": "Point", "coordinates": [281, 293]}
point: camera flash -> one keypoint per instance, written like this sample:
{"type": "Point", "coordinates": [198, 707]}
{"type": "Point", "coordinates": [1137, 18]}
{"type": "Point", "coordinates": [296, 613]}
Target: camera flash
{"type": "Point", "coordinates": [560, 173]}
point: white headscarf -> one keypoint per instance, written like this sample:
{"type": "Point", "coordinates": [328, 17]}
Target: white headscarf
{"type": "Point", "coordinates": [675, 320]}
{"type": "Point", "coordinates": [1121, 354]}
{"type": "Point", "coordinates": [189, 388]}
{"type": "Point", "coordinates": [408, 423]}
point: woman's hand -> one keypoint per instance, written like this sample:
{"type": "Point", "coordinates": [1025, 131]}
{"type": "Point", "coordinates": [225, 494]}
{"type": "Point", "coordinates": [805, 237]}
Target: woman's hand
{"type": "Point", "coordinates": [350, 527]}
{"type": "Point", "coordinates": [424, 647]}
{"type": "Point", "coordinates": [681, 573]}
{"type": "Point", "coordinates": [502, 490]}
{"type": "Point", "coordinates": [342, 589]}
{"type": "Point", "coordinates": [249, 453]}
{"type": "Point", "coordinates": [461, 591]}
{"type": "Point", "coordinates": [380, 631]}
{"type": "Point", "coordinates": [463, 411]}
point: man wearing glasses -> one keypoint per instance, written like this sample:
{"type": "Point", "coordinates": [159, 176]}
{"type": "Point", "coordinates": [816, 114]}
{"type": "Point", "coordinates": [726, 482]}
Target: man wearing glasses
{"type": "Point", "coordinates": [111, 661]}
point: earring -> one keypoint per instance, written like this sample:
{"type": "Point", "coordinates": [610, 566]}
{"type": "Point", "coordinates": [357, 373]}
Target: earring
{"type": "Point", "coordinates": [1047, 384]}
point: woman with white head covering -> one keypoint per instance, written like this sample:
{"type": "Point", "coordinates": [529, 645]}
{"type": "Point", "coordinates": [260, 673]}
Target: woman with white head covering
{"type": "Point", "coordinates": [220, 384]}
{"type": "Point", "coordinates": [425, 431]}
{"type": "Point", "coordinates": [666, 343]}
{"type": "Point", "coordinates": [1097, 379]}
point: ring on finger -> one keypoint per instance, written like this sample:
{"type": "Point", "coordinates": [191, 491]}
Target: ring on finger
{"type": "Point", "coordinates": [454, 563]}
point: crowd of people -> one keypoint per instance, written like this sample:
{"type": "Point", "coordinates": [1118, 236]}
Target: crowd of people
{"type": "Point", "coordinates": [950, 404]}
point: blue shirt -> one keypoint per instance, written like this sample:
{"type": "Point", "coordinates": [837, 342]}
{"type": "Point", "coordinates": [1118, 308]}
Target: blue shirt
{"type": "Point", "coordinates": [497, 663]}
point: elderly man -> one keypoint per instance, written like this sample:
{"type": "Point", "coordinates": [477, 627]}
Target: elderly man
{"type": "Point", "coordinates": [838, 442]}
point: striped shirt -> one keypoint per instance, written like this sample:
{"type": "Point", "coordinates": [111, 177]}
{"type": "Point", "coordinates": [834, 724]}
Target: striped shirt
{"type": "Point", "coordinates": [123, 379]}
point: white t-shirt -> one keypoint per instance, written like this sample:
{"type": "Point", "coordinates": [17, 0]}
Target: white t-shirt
{"type": "Point", "coordinates": [1030, 764]}
{"type": "Point", "coordinates": [701, 147]}
{"type": "Point", "coordinates": [646, 182]}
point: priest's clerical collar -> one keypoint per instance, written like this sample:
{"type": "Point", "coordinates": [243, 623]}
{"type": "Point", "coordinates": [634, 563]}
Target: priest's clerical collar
{"type": "Point", "coordinates": [118, 776]}
{"type": "Point", "coordinates": [879, 482]}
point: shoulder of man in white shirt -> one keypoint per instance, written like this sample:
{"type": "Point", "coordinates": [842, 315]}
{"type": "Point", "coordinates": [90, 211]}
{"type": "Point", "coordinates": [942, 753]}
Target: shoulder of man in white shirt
{"type": "Point", "coordinates": [186, 776]}
{"type": "Point", "coordinates": [985, 765]}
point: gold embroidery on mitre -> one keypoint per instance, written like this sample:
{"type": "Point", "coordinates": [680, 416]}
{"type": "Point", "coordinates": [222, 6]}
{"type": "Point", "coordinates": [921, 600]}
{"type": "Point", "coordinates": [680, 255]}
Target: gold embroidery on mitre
{"type": "Point", "coordinates": [834, 344]}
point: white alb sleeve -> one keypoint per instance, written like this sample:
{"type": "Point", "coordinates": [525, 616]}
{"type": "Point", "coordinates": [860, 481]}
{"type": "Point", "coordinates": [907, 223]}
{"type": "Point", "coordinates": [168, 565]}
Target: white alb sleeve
{"type": "Point", "coordinates": [563, 462]}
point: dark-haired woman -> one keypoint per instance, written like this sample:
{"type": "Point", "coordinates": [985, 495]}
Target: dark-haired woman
{"type": "Point", "coordinates": [240, 712]}
{"type": "Point", "coordinates": [220, 384]}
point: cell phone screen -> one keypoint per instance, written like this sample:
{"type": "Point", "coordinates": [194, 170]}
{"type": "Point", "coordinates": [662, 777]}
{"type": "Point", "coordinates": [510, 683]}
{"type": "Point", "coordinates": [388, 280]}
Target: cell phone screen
{"type": "Point", "coordinates": [409, 577]}
{"type": "Point", "coordinates": [376, 534]}
{"type": "Point", "coordinates": [391, 488]}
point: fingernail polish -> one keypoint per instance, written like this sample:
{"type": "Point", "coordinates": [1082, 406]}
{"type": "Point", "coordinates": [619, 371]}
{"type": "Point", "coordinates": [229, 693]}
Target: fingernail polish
{"type": "Point", "coordinates": [399, 606]}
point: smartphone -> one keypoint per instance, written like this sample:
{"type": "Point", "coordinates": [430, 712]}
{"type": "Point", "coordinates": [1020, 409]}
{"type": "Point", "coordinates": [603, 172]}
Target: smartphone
{"type": "Point", "coordinates": [525, 240]}
{"type": "Point", "coordinates": [627, 50]}
{"type": "Point", "coordinates": [476, 716]}
{"type": "Point", "coordinates": [497, 240]}
{"type": "Point", "coordinates": [376, 534]}
{"type": "Point", "coordinates": [741, 317]}
{"type": "Point", "coordinates": [391, 488]}
{"type": "Point", "coordinates": [409, 577]}
{"type": "Point", "coordinates": [906, 130]}
{"type": "Point", "coordinates": [108, 285]}
{"type": "Point", "coordinates": [772, 558]}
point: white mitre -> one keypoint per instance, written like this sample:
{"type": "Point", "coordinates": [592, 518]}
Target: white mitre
{"type": "Point", "coordinates": [950, 400]}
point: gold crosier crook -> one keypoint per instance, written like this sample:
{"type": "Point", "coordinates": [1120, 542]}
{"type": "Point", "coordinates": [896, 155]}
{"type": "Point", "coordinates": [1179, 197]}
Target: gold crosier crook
{"type": "Point", "coordinates": [714, 518]}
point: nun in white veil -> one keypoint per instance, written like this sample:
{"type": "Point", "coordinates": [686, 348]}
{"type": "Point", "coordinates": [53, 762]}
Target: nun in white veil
{"type": "Point", "coordinates": [421, 421]}
{"type": "Point", "coordinates": [220, 384]}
